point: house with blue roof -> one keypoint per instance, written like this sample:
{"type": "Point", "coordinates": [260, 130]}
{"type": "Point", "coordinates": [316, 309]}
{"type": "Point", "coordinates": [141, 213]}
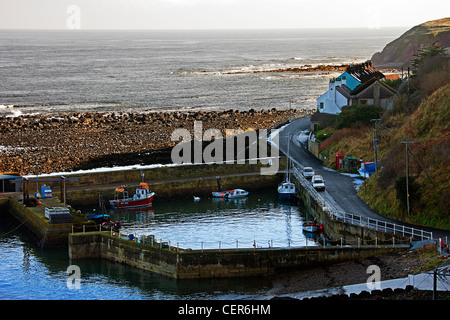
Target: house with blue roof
{"type": "Point", "coordinates": [336, 97]}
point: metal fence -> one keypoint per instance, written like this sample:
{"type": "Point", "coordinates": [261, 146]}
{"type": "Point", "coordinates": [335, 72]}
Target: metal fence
{"type": "Point", "coordinates": [152, 241]}
{"type": "Point", "coordinates": [339, 215]}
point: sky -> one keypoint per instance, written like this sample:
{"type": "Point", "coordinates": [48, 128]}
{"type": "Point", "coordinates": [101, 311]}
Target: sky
{"type": "Point", "coordinates": [218, 14]}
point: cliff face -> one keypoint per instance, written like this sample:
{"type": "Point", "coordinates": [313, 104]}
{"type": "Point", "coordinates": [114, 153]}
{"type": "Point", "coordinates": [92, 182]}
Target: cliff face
{"type": "Point", "coordinates": [399, 52]}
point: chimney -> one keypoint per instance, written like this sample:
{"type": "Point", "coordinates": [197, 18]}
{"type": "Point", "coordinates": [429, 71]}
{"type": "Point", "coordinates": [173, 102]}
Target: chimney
{"type": "Point", "coordinates": [376, 93]}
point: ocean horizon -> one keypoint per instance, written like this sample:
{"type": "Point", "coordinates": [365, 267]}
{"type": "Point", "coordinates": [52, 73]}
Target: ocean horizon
{"type": "Point", "coordinates": [59, 71]}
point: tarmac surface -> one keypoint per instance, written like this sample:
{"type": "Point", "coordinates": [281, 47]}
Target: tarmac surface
{"type": "Point", "coordinates": [340, 189]}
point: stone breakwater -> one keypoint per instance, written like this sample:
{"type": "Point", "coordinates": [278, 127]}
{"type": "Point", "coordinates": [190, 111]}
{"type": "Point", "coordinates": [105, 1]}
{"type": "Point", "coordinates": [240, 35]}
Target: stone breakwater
{"type": "Point", "coordinates": [64, 142]}
{"type": "Point", "coordinates": [304, 68]}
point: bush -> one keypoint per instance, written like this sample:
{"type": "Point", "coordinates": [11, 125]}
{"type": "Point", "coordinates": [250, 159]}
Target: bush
{"type": "Point", "coordinates": [401, 194]}
{"type": "Point", "coordinates": [394, 83]}
{"type": "Point", "coordinates": [356, 115]}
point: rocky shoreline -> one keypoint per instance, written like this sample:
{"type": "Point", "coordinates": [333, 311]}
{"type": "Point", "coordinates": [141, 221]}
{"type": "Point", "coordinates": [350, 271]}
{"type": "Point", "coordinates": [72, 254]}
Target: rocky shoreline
{"type": "Point", "coordinates": [304, 68]}
{"type": "Point", "coordinates": [71, 141]}
{"type": "Point", "coordinates": [392, 266]}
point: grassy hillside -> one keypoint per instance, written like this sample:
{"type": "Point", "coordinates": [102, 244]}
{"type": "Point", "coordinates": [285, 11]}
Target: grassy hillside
{"type": "Point", "coordinates": [429, 127]}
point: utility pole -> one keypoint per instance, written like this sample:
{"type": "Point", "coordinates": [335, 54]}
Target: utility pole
{"type": "Point", "coordinates": [406, 142]}
{"type": "Point", "coordinates": [375, 141]}
{"type": "Point", "coordinates": [37, 166]}
{"type": "Point", "coordinates": [65, 193]}
{"type": "Point", "coordinates": [290, 118]}
{"type": "Point", "coordinates": [408, 80]}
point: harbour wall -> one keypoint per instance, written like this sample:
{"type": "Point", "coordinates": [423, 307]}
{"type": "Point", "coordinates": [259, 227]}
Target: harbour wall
{"type": "Point", "coordinates": [194, 264]}
{"type": "Point", "coordinates": [44, 234]}
{"type": "Point", "coordinates": [168, 182]}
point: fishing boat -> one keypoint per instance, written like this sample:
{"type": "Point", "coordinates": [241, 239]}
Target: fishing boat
{"type": "Point", "coordinates": [312, 226]}
{"type": "Point", "coordinates": [143, 197]}
{"type": "Point", "coordinates": [230, 194]}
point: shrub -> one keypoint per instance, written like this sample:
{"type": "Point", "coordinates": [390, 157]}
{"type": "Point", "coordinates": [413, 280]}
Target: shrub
{"type": "Point", "coordinates": [357, 114]}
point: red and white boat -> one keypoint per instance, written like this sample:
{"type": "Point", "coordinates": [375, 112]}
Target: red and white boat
{"type": "Point", "coordinates": [142, 198]}
{"type": "Point", "coordinates": [312, 226]}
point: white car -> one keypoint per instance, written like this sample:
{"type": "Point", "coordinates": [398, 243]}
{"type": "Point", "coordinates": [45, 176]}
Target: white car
{"type": "Point", "coordinates": [318, 182]}
{"type": "Point", "coordinates": [308, 172]}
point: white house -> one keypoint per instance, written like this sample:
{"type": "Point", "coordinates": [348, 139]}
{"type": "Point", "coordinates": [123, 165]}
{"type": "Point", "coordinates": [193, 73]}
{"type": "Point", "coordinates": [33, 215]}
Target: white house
{"type": "Point", "coordinates": [336, 97]}
{"type": "Point", "coordinates": [333, 100]}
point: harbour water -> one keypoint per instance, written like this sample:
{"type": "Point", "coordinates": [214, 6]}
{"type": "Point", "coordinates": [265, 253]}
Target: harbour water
{"type": "Point", "coordinates": [27, 272]}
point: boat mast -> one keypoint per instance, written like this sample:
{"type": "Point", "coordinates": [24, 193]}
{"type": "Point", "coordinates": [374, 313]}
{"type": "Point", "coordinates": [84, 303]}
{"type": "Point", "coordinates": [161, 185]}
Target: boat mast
{"type": "Point", "coordinates": [289, 161]}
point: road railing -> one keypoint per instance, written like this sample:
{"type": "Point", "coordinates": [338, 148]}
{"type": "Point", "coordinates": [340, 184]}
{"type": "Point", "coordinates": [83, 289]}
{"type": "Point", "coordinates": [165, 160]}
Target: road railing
{"type": "Point", "coordinates": [339, 215]}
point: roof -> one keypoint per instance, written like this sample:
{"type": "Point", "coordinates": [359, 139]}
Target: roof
{"type": "Point", "coordinates": [365, 91]}
{"type": "Point", "coordinates": [344, 90]}
{"type": "Point", "coordinates": [364, 72]}
{"type": "Point", "coordinates": [391, 77]}
{"type": "Point", "coordinates": [7, 177]}
{"type": "Point", "coordinates": [322, 116]}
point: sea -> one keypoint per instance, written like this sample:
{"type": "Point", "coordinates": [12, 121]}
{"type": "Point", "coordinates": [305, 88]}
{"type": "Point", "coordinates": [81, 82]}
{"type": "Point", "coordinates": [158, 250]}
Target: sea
{"type": "Point", "coordinates": [46, 72]}
{"type": "Point", "coordinates": [54, 71]}
{"type": "Point", "coordinates": [258, 221]}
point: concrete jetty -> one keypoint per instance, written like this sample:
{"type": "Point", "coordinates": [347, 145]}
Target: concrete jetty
{"type": "Point", "coordinates": [46, 235]}
{"type": "Point", "coordinates": [179, 263]}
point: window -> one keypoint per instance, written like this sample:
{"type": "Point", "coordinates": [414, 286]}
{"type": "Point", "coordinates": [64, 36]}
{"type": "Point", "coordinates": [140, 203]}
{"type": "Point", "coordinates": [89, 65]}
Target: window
{"type": "Point", "coordinates": [321, 106]}
{"type": "Point", "coordinates": [363, 101]}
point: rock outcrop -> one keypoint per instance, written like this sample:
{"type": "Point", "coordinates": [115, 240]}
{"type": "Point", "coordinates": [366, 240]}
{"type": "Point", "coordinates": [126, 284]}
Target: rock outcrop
{"type": "Point", "coordinates": [398, 53]}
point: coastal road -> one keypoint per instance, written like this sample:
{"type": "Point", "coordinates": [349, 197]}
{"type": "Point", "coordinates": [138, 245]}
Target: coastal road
{"type": "Point", "coordinates": [340, 188]}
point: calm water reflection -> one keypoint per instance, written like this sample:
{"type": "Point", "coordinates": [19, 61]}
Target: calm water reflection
{"type": "Point", "coordinates": [27, 272]}
{"type": "Point", "coordinates": [260, 219]}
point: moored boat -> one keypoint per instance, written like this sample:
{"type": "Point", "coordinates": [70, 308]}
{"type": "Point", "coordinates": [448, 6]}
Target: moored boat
{"type": "Point", "coordinates": [286, 190]}
{"type": "Point", "coordinates": [104, 221]}
{"type": "Point", "coordinates": [312, 226]}
{"type": "Point", "coordinates": [143, 197]}
{"type": "Point", "coordinates": [230, 194]}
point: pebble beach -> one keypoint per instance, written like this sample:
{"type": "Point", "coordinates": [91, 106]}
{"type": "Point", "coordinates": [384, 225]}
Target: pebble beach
{"type": "Point", "coordinates": [72, 141]}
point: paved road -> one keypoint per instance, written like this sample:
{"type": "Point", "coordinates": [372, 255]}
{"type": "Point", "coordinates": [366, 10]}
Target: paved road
{"type": "Point", "coordinates": [340, 188]}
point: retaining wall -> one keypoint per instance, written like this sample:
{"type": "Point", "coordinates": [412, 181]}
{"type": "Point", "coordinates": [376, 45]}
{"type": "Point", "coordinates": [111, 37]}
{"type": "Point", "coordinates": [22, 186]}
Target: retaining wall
{"type": "Point", "coordinates": [193, 264]}
{"type": "Point", "coordinates": [46, 235]}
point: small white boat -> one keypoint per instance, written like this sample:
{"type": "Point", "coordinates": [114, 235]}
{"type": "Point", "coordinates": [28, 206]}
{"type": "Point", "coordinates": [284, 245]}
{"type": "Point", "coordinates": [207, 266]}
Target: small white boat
{"type": "Point", "coordinates": [286, 190]}
{"type": "Point", "coordinates": [230, 194]}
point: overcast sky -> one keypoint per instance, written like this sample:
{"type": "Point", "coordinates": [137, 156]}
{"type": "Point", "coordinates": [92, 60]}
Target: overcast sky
{"type": "Point", "coordinates": [217, 14]}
